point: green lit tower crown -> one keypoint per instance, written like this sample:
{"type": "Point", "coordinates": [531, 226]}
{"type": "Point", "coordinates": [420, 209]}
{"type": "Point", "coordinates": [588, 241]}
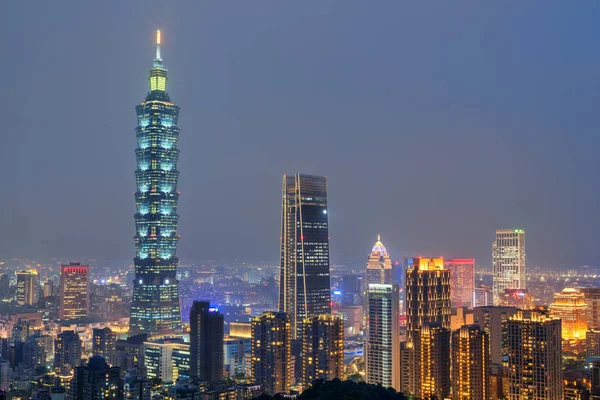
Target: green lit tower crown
{"type": "Point", "coordinates": [155, 307]}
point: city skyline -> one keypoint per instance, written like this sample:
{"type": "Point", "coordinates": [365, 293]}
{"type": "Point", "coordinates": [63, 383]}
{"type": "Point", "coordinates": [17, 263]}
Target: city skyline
{"type": "Point", "coordinates": [314, 324]}
{"type": "Point", "coordinates": [233, 106]}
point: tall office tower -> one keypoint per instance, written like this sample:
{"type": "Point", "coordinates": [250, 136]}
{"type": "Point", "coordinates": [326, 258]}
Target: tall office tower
{"type": "Point", "coordinates": [592, 300]}
{"type": "Point", "coordinates": [27, 283]}
{"type": "Point", "coordinates": [534, 350]}
{"type": "Point", "coordinates": [508, 261]}
{"type": "Point", "coordinates": [569, 306]}
{"type": "Point", "coordinates": [427, 293]}
{"type": "Point", "coordinates": [427, 301]}
{"type": "Point", "coordinates": [304, 288]}
{"type": "Point", "coordinates": [104, 343]}
{"type": "Point", "coordinates": [379, 265]}
{"type": "Point", "coordinates": [271, 351]}
{"type": "Point", "coordinates": [470, 366]}
{"type": "Point", "coordinates": [430, 375]}
{"type": "Point", "coordinates": [322, 349]}
{"type": "Point", "coordinates": [462, 281]}
{"type": "Point", "coordinates": [155, 307]}
{"type": "Point", "coordinates": [167, 360]}
{"type": "Point", "coordinates": [382, 345]}
{"type": "Point", "coordinates": [206, 342]}
{"type": "Point", "coordinates": [96, 380]}
{"type": "Point", "coordinates": [482, 297]}
{"type": "Point", "coordinates": [74, 291]}
{"type": "Point", "coordinates": [67, 352]}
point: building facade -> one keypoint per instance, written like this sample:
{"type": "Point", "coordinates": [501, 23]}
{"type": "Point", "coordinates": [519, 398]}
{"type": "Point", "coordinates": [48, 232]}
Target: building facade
{"type": "Point", "coordinates": [427, 293]}
{"type": "Point", "coordinates": [206, 342]}
{"type": "Point", "coordinates": [74, 291]}
{"type": "Point", "coordinates": [104, 342]}
{"type": "Point", "coordinates": [155, 306]}
{"type": "Point", "coordinates": [304, 285]}
{"type": "Point", "coordinates": [167, 360]}
{"type": "Point", "coordinates": [470, 368]}
{"type": "Point", "coordinates": [96, 380]}
{"type": "Point", "coordinates": [520, 298]}
{"type": "Point", "coordinates": [492, 320]}
{"type": "Point", "coordinates": [483, 297]}
{"type": "Point", "coordinates": [235, 352]}
{"type": "Point", "coordinates": [462, 280]}
{"type": "Point", "coordinates": [430, 376]}
{"type": "Point", "coordinates": [592, 343]}
{"type": "Point", "coordinates": [427, 302]}
{"type": "Point", "coordinates": [534, 347]}
{"type": "Point", "coordinates": [592, 300]}
{"type": "Point", "coordinates": [27, 284]}
{"type": "Point", "coordinates": [379, 265]}
{"type": "Point", "coordinates": [322, 348]}
{"type": "Point", "coordinates": [569, 306]}
{"type": "Point", "coordinates": [382, 344]}
{"type": "Point", "coordinates": [67, 352]}
{"type": "Point", "coordinates": [508, 261]}
{"type": "Point", "coordinates": [271, 352]}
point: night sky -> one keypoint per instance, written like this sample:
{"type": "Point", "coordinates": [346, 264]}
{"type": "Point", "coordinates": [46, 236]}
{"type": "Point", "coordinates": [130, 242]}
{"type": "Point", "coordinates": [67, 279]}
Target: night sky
{"type": "Point", "coordinates": [434, 125]}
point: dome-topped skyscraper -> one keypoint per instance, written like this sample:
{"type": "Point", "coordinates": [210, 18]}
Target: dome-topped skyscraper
{"type": "Point", "coordinates": [379, 266]}
{"type": "Point", "coordinates": [155, 308]}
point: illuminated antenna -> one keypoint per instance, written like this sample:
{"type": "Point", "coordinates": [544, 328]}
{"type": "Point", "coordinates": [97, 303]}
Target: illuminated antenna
{"type": "Point", "coordinates": [158, 44]}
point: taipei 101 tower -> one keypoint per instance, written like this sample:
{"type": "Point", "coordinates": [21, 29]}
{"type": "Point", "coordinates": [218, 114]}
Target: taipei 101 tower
{"type": "Point", "coordinates": [155, 308]}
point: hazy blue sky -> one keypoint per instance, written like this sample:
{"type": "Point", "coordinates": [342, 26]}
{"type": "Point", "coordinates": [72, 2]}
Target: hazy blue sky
{"type": "Point", "coordinates": [435, 125]}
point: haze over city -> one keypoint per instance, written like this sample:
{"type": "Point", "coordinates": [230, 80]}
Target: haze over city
{"type": "Point", "coordinates": [435, 125]}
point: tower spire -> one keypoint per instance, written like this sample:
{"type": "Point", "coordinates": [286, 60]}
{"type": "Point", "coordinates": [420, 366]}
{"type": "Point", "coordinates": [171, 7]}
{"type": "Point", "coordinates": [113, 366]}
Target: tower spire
{"type": "Point", "coordinates": [158, 46]}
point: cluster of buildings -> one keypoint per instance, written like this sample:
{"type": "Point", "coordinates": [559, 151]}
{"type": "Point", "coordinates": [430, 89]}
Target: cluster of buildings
{"type": "Point", "coordinates": [421, 327]}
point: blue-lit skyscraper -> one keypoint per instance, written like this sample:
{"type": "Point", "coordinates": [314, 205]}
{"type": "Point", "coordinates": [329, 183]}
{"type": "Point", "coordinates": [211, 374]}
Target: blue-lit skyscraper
{"type": "Point", "coordinates": [155, 308]}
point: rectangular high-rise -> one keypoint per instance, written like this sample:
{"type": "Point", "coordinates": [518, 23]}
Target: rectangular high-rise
{"type": "Point", "coordinates": [271, 352]}
{"type": "Point", "coordinates": [382, 345]}
{"type": "Point", "coordinates": [534, 348]}
{"type": "Point", "coordinates": [427, 302]}
{"type": "Point", "coordinates": [27, 283]}
{"type": "Point", "coordinates": [322, 348]}
{"type": "Point", "coordinates": [492, 320]}
{"type": "Point", "coordinates": [508, 261]}
{"type": "Point", "coordinates": [206, 342]}
{"type": "Point", "coordinates": [592, 300]}
{"type": "Point", "coordinates": [67, 352]}
{"type": "Point", "coordinates": [104, 343]}
{"type": "Point", "coordinates": [304, 285]}
{"type": "Point", "coordinates": [74, 291]}
{"type": "Point", "coordinates": [167, 360]}
{"type": "Point", "coordinates": [427, 293]}
{"type": "Point", "coordinates": [462, 280]}
{"type": "Point", "coordinates": [431, 372]}
{"type": "Point", "coordinates": [470, 367]}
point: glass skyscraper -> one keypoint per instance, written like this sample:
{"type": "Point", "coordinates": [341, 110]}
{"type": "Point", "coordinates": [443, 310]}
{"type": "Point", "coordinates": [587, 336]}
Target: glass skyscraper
{"type": "Point", "coordinates": [508, 257]}
{"type": "Point", "coordinates": [155, 308]}
{"type": "Point", "coordinates": [304, 289]}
